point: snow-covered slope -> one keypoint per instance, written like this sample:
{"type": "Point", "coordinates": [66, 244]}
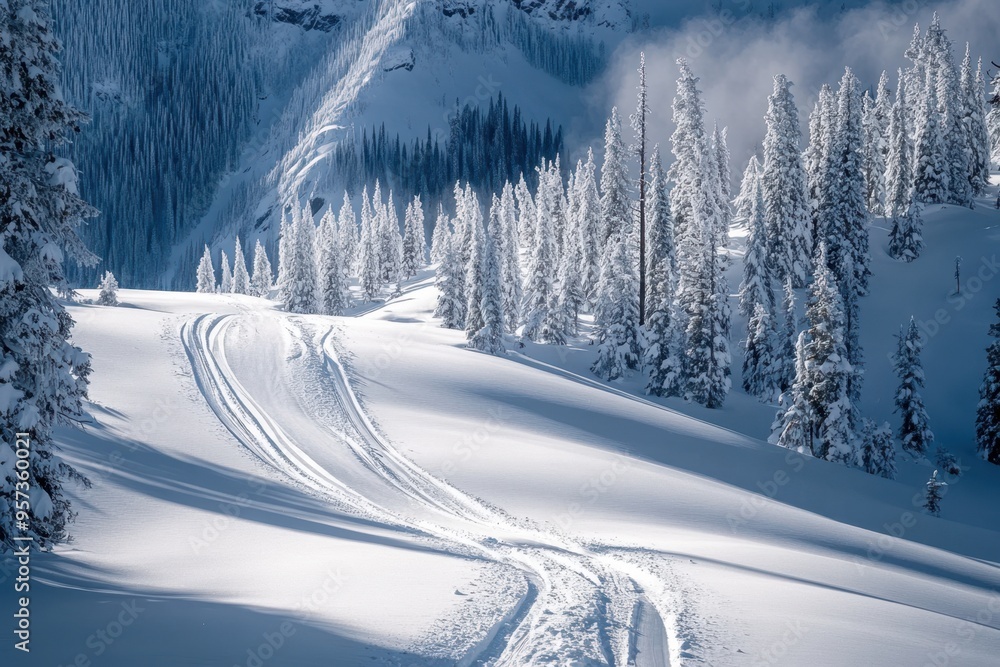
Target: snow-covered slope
{"type": "Point", "coordinates": [303, 490]}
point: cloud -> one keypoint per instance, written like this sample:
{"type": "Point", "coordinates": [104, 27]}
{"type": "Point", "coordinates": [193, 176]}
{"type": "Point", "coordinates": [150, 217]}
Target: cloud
{"type": "Point", "coordinates": [737, 55]}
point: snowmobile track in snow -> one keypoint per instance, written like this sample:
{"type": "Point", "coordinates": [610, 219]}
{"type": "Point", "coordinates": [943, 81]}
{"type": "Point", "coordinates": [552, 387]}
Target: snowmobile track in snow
{"type": "Point", "coordinates": [582, 607]}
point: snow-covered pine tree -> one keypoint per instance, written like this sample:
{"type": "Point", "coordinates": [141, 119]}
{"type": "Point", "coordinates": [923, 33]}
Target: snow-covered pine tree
{"type": "Point", "coordinates": [756, 286]}
{"type": "Point", "coordinates": [450, 282]}
{"type": "Point", "coordinates": [993, 119]}
{"type": "Point", "coordinates": [905, 238]}
{"type": "Point", "coordinates": [526, 213]}
{"type": "Point", "coordinates": [44, 377]}
{"type": "Point", "coordinates": [540, 289]}
{"type": "Point", "coordinates": [789, 336]}
{"type": "Point", "coordinates": [347, 230]}
{"type": "Point", "coordinates": [935, 492]}
{"type": "Point", "coordinates": [784, 190]}
{"type": "Point", "coordinates": [414, 243]}
{"type": "Point", "coordinates": [619, 351]}
{"type": "Point", "coordinates": [285, 244]}
{"type": "Point", "coordinates": [949, 100]}
{"type": "Point", "coordinates": [878, 452]}
{"type": "Point", "coordinates": [505, 241]}
{"type": "Point", "coordinates": [705, 299]}
{"type": "Point", "coordinates": [300, 291]}
{"type": "Point", "coordinates": [931, 173]}
{"type": "Point", "coordinates": [974, 125]}
{"type": "Point", "coordinates": [206, 273]}
{"type": "Point", "coordinates": [760, 362]}
{"type": "Point", "coordinates": [331, 290]}
{"type": "Point", "coordinates": [914, 432]}
{"type": "Point", "coordinates": [824, 373]}
{"type": "Point", "coordinates": [369, 268]}
{"type": "Point", "coordinates": [490, 337]}
{"type": "Point", "coordinates": [570, 298]}
{"type": "Point", "coordinates": [664, 345]}
{"type": "Point", "coordinates": [226, 285]}
{"type": "Point", "coordinates": [749, 191]}
{"type": "Point", "coordinates": [723, 179]}
{"type": "Point", "coordinates": [241, 279]}
{"type": "Point", "coordinates": [689, 145]}
{"type": "Point", "coordinates": [616, 206]}
{"type": "Point", "coordinates": [439, 238]}
{"type": "Point", "coordinates": [109, 290]}
{"type": "Point", "coordinates": [260, 283]}
{"type": "Point", "coordinates": [876, 146]}
{"type": "Point", "coordinates": [794, 425]}
{"type": "Point", "coordinates": [988, 410]}
{"type": "Point", "coordinates": [474, 272]}
{"type": "Point", "coordinates": [589, 222]}
{"type": "Point", "coordinates": [391, 249]}
{"type": "Point", "coordinates": [814, 159]}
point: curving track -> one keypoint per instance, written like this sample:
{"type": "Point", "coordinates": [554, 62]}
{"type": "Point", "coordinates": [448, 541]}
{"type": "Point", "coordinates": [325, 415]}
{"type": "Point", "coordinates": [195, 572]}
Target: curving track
{"type": "Point", "coordinates": [277, 384]}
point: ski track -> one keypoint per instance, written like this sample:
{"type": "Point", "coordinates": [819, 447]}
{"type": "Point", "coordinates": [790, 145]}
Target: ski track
{"type": "Point", "coordinates": [583, 605]}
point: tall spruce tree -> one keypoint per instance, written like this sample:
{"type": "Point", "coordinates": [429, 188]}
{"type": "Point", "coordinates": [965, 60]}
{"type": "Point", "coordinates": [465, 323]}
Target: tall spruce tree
{"type": "Point", "coordinates": [756, 286]}
{"type": "Point", "coordinates": [905, 238]}
{"type": "Point", "coordinates": [540, 288]}
{"type": "Point", "coordinates": [332, 284]}
{"type": "Point", "coordinates": [876, 145]}
{"type": "Point", "coordinates": [618, 353]}
{"type": "Point", "coordinates": [616, 207]}
{"type": "Point", "coordinates": [589, 222]}
{"type": "Point", "coordinates": [988, 410]}
{"type": "Point", "coordinates": [931, 179]}
{"type": "Point", "coordinates": [414, 242]}
{"type": "Point", "coordinates": [450, 282]}
{"type": "Point", "coordinates": [914, 432]}
{"type": "Point", "coordinates": [977, 141]}
{"type": "Point", "coordinates": [878, 453]}
{"type": "Point", "coordinates": [347, 229]}
{"type": "Point", "coordinates": [241, 278]}
{"type": "Point", "coordinates": [260, 283]}
{"type": "Point", "coordinates": [206, 273]}
{"type": "Point", "coordinates": [44, 377]}
{"type": "Point", "coordinates": [505, 241]}
{"type": "Point", "coordinates": [439, 238]}
{"type": "Point", "coordinates": [226, 284]}
{"type": "Point", "coordinates": [490, 337]}
{"type": "Point", "coordinates": [789, 334]}
{"type": "Point", "coordinates": [760, 361]}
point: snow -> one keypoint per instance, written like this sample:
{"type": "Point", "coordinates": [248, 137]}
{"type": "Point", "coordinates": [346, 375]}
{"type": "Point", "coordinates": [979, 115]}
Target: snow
{"type": "Point", "coordinates": [367, 488]}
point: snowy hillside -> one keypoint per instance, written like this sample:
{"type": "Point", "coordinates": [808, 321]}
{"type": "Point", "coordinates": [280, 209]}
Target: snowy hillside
{"type": "Point", "coordinates": [270, 484]}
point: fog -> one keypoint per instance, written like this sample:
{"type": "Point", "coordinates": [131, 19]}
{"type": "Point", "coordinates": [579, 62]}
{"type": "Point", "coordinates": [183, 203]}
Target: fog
{"type": "Point", "coordinates": [736, 56]}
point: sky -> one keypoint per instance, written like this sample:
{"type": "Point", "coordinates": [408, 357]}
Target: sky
{"type": "Point", "coordinates": [736, 55]}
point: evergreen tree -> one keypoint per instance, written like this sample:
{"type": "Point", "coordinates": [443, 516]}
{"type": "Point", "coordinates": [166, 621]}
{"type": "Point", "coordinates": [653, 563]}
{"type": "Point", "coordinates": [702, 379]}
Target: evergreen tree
{"type": "Point", "coordinates": [664, 344]}
{"type": "Point", "coordinates": [931, 174]}
{"type": "Point", "coordinates": [988, 411]}
{"type": "Point", "coordinates": [43, 376]}
{"type": "Point", "coordinates": [474, 276]}
{"type": "Point", "coordinates": [414, 243]}
{"type": "Point", "coordinates": [794, 425]}
{"type": "Point", "coordinates": [974, 125]}
{"type": "Point", "coordinates": [756, 286]}
{"type": "Point", "coordinates": [760, 363]}
{"type": "Point", "coordinates": [589, 218]}
{"type": "Point", "coordinates": [618, 353]}
{"type": "Point", "coordinates": [784, 190]}
{"type": "Point", "coordinates": [505, 237]}
{"type": "Point", "coordinates": [914, 432]}
{"type": "Point", "coordinates": [241, 279]}
{"type": "Point", "coordinates": [789, 335]}
{"type": "Point", "coordinates": [451, 285]}
{"type": "Point", "coordinates": [878, 453]}
{"type": "Point", "coordinates": [905, 238]}
{"type": "Point", "coordinates": [109, 290]}
{"type": "Point", "coordinates": [526, 213]}
{"type": "Point", "coordinates": [490, 337]}
{"type": "Point", "coordinates": [440, 236]}
{"type": "Point", "coordinates": [949, 100]}
{"type": "Point", "coordinates": [332, 285]}
{"type": "Point", "coordinates": [749, 191]}
{"type": "Point", "coordinates": [993, 120]}
{"type": "Point", "coordinates": [616, 207]}
{"type": "Point", "coordinates": [226, 286]}
{"type": "Point", "coordinates": [821, 126]}
{"type": "Point", "coordinates": [935, 493]}
{"type": "Point", "coordinates": [540, 289]}
{"type": "Point", "coordinates": [391, 243]}
{"type": "Point", "coordinates": [705, 299]}
{"type": "Point", "coordinates": [300, 291]}
{"type": "Point", "coordinates": [817, 418]}
{"type": "Point", "coordinates": [369, 268]}
{"type": "Point", "coordinates": [347, 229]}
{"type": "Point", "coordinates": [689, 147]}
{"type": "Point", "coordinates": [723, 167]}
{"type": "Point", "coordinates": [876, 145]}
{"type": "Point", "coordinates": [285, 244]}
{"type": "Point", "coordinates": [640, 149]}
{"type": "Point", "coordinates": [571, 297]}
{"type": "Point", "coordinates": [260, 284]}
{"type": "Point", "coordinates": [206, 273]}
